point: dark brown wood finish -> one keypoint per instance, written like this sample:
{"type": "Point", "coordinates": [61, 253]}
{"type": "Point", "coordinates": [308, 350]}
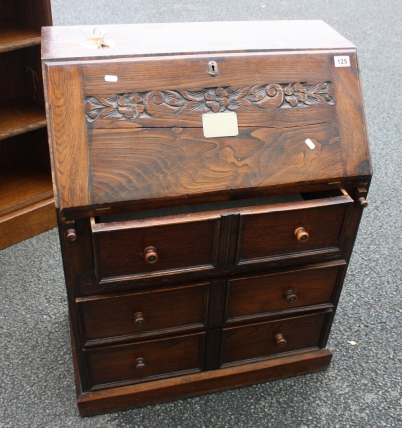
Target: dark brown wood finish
{"type": "Point", "coordinates": [207, 165]}
{"type": "Point", "coordinates": [217, 303]}
{"type": "Point", "coordinates": [68, 129]}
{"type": "Point", "coordinates": [169, 298]}
{"type": "Point", "coordinates": [169, 163]}
{"type": "Point", "coordinates": [27, 222]}
{"type": "Point", "coordinates": [274, 234]}
{"type": "Point", "coordinates": [145, 360]}
{"type": "Point", "coordinates": [121, 249]}
{"type": "Point", "coordinates": [203, 248]}
{"type": "Point", "coordinates": [143, 314]}
{"type": "Point", "coordinates": [275, 90]}
{"type": "Point", "coordinates": [26, 196]}
{"type": "Point", "coordinates": [261, 88]}
{"type": "Point", "coordinates": [269, 338]}
{"type": "Point", "coordinates": [257, 296]}
{"type": "Point", "coordinates": [114, 399]}
{"type": "Point", "coordinates": [351, 114]}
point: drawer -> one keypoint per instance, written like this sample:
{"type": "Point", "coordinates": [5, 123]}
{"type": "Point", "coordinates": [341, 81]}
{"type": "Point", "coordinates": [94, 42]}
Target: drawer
{"type": "Point", "coordinates": [140, 314]}
{"type": "Point", "coordinates": [262, 340]}
{"type": "Point", "coordinates": [259, 296]}
{"type": "Point", "coordinates": [139, 362]}
{"type": "Point", "coordinates": [294, 230]}
{"type": "Point", "coordinates": [154, 246]}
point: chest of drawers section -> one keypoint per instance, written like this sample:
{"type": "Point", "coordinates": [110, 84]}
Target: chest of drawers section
{"type": "Point", "coordinates": [150, 322]}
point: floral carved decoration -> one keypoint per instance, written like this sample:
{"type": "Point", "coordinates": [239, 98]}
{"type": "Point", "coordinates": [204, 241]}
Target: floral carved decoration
{"type": "Point", "coordinates": [164, 103]}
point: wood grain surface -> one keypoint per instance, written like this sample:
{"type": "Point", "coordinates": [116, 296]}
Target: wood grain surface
{"type": "Point", "coordinates": [20, 116]}
{"type": "Point", "coordinates": [281, 98]}
{"type": "Point", "coordinates": [189, 72]}
{"type": "Point", "coordinates": [258, 340]}
{"type": "Point", "coordinates": [169, 303]}
{"type": "Point", "coordinates": [26, 197]}
{"type": "Point", "coordinates": [163, 358]}
{"type": "Point", "coordinates": [125, 397]}
{"type": "Point", "coordinates": [271, 234]}
{"type": "Point", "coordinates": [163, 311]}
{"type": "Point", "coordinates": [160, 163]}
{"type": "Point", "coordinates": [26, 222]}
{"type": "Point", "coordinates": [256, 296]}
{"type": "Point", "coordinates": [23, 187]}
{"type": "Point", "coordinates": [352, 129]}
{"type": "Point", "coordinates": [67, 135]}
{"type": "Point", "coordinates": [179, 245]}
{"type": "Point", "coordinates": [21, 22]}
{"type": "Point", "coordinates": [16, 34]}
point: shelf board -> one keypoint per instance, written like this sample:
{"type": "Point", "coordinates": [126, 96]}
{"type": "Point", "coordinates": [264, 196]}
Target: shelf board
{"type": "Point", "coordinates": [20, 116]}
{"type": "Point", "coordinates": [27, 222]}
{"type": "Point", "coordinates": [24, 187]}
{"type": "Point", "coordinates": [16, 34]}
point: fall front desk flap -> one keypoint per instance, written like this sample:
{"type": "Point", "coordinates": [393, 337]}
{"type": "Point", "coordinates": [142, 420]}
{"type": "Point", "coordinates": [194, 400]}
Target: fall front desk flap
{"type": "Point", "coordinates": [130, 109]}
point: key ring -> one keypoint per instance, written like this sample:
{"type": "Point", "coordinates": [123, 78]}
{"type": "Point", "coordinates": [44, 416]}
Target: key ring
{"type": "Point", "coordinates": [100, 38]}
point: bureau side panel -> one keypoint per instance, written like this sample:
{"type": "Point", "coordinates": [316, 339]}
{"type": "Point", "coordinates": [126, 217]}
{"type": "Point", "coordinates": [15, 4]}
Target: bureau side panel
{"type": "Point", "coordinates": [352, 126]}
{"type": "Point", "coordinates": [67, 135]}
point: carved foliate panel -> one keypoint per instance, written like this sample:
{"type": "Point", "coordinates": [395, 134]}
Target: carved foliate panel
{"type": "Point", "coordinates": [129, 106]}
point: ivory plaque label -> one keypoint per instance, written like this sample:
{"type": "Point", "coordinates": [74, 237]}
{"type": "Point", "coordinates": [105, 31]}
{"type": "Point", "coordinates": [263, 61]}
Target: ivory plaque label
{"type": "Point", "coordinates": [220, 125]}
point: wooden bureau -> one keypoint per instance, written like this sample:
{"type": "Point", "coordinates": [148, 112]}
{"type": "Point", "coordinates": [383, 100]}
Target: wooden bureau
{"type": "Point", "coordinates": [200, 257]}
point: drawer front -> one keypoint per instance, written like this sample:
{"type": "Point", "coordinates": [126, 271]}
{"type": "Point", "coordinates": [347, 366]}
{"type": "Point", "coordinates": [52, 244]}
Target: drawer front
{"type": "Point", "coordinates": [265, 339]}
{"type": "Point", "coordinates": [260, 295]}
{"type": "Point", "coordinates": [146, 247]}
{"type": "Point", "coordinates": [295, 230]}
{"type": "Point", "coordinates": [143, 361]}
{"type": "Point", "coordinates": [140, 314]}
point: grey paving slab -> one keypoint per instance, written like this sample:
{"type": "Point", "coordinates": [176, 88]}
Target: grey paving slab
{"type": "Point", "coordinates": [362, 388]}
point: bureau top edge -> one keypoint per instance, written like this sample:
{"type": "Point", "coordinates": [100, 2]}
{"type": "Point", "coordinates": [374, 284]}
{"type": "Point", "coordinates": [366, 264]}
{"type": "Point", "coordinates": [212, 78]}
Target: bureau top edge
{"type": "Point", "coordinates": [68, 42]}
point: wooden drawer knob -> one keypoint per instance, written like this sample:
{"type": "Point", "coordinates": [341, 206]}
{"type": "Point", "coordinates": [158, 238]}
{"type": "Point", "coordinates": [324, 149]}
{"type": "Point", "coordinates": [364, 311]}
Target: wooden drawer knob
{"type": "Point", "coordinates": [151, 256]}
{"type": "Point", "coordinates": [139, 320]}
{"type": "Point", "coordinates": [280, 340]}
{"type": "Point", "coordinates": [71, 234]}
{"type": "Point", "coordinates": [301, 234]}
{"type": "Point", "coordinates": [290, 296]}
{"type": "Point", "coordinates": [140, 364]}
{"type": "Point", "coordinates": [363, 202]}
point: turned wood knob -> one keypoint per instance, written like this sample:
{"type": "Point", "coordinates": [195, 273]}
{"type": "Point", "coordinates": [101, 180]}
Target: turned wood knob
{"type": "Point", "coordinates": [280, 340]}
{"type": "Point", "coordinates": [139, 320]}
{"type": "Point", "coordinates": [301, 234]}
{"type": "Point", "coordinates": [151, 256]}
{"type": "Point", "coordinates": [140, 364]}
{"type": "Point", "coordinates": [363, 202]}
{"type": "Point", "coordinates": [290, 296]}
{"type": "Point", "coordinates": [71, 234]}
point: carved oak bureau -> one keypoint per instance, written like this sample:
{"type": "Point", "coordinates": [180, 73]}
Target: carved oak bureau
{"type": "Point", "coordinates": [209, 182]}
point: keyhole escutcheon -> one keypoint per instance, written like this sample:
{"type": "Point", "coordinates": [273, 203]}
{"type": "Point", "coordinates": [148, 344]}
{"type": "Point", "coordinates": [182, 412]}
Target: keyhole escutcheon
{"type": "Point", "coordinates": [212, 68]}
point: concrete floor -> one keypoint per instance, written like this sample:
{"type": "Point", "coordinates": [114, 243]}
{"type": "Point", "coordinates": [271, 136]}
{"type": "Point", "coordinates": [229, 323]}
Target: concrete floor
{"type": "Point", "coordinates": [362, 388]}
